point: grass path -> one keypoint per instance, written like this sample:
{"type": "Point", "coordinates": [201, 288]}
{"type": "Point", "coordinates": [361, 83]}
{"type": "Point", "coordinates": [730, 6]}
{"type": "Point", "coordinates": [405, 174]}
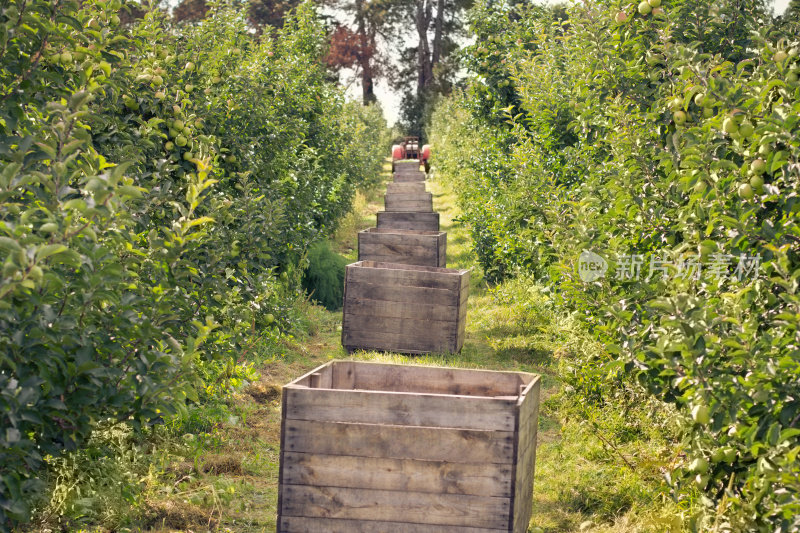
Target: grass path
{"type": "Point", "coordinates": [232, 481]}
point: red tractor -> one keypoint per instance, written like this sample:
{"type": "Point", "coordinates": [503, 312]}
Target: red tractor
{"type": "Point", "coordinates": [409, 149]}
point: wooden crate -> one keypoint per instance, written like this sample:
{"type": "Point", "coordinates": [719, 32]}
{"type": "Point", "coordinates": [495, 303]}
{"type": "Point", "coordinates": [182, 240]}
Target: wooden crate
{"type": "Point", "coordinates": [404, 308]}
{"type": "Point", "coordinates": [426, 248]}
{"type": "Point", "coordinates": [419, 221]}
{"type": "Point", "coordinates": [414, 201]}
{"type": "Point", "coordinates": [370, 447]}
{"type": "Point", "coordinates": [406, 166]}
{"type": "Point", "coordinates": [408, 176]}
{"type": "Point", "coordinates": [405, 187]}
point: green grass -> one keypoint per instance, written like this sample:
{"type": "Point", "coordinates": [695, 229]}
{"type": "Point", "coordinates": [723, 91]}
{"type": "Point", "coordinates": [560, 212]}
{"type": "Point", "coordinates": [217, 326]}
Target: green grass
{"type": "Point", "coordinates": [597, 468]}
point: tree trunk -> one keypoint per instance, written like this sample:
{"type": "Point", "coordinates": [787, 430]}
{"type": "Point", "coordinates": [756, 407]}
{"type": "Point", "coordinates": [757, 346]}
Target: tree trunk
{"type": "Point", "coordinates": [438, 32]}
{"type": "Point", "coordinates": [423, 21]}
{"type": "Point", "coordinates": [365, 56]}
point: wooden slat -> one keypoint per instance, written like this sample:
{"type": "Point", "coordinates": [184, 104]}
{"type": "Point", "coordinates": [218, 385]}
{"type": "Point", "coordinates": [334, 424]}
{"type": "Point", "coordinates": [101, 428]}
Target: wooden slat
{"type": "Point", "coordinates": [437, 380]}
{"type": "Point", "coordinates": [400, 409]}
{"type": "Point", "coordinates": [408, 196]}
{"type": "Point", "coordinates": [406, 220]}
{"type": "Point", "coordinates": [405, 187]}
{"type": "Point", "coordinates": [409, 176]}
{"type": "Point", "coordinates": [399, 442]}
{"type": "Point", "coordinates": [416, 259]}
{"type": "Point", "coordinates": [393, 248]}
{"type": "Point", "coordinates": [403, 231]}
{"type": "Point", "coordinates": [397, 474]}
{"type": "Point", "coordinates": [362, 337]}
{"type": "Point", "coordinates": [408, 207]}
{"type": "Point", "coordinates": [374, 264]}
{"type": "Point", "coordinates": [399, 250]}
{"type": "Point", "coordinates": [324, 379]}
{"type": "Point", "coordinates": [398, 275]}
{"type": "Point", "coordinates": [407, 165]}
{"type": "Point", "coordinates": [420, 311]}
{"type": "Point", "coordinates": [298, 524]}
{"type": "Point", "coordinates": [393, 506]}
{"type": "Point", "coordinates": [344, 375]}
{"type": "Point", "coordinates": [370, 291]}
{"type": "Point", "coordinates": [526, 456]}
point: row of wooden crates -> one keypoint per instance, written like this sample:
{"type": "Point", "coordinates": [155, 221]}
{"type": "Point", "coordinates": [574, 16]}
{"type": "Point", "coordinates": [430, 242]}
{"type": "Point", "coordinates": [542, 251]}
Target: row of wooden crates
{"type": "Point", "coordinates": [382, 448]}
{"type": "Point", "coordinates": [399, 296]}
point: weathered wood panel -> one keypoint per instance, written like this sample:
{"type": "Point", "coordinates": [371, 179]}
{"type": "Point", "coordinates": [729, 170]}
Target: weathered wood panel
{"type": "Point", "coordinates": [393, 506]}
{"type": "Point", "coordinates": [441, 477]}
{"type": "Point", "coordinates": [405, 187]}
{"type": "Point", "coordinates": [371, 447]}
{"type": "Point", "coordinates": [400, 294]}
{"type": "Point", "coordinates": [376, 326]}
{"type": "Point", "coordinates": [434, 380]}
{"type": "Point", "coordinates": [399, 442]}
{"type": "Point", "coordinates": [361, 338]}
{"type": "Point", "coordinates": [421, 221]}
{"type": "Point", "coordinates": [400, 409]}
{"type": "Point", "coordinates": [401, 166]}
{"type": "Point", "coordinates": [300, 524]}
{"type": "Point", "coordinates": [415, 201]}
{"type": "Point", "coordinates": [526, 456]}
{"type": "Point", "coordinates": [408, 176]}
{"type": "Point", "coordinates": [428, 248]}
{"type": "Point", "coordinates": [395, 309]}
{"type": "Point", "coordinates": [394, 274]}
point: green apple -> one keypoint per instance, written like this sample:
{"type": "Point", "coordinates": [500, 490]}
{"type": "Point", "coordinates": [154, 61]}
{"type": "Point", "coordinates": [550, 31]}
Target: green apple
{"type": "Point", "coordinates": [745, 191]}
{"type": "Point", "coordinates": [180, 140]}
{"type": "Point", "coordinates": [699, 465]}
{"type": "Point", "coordinates": [700, 187]}
{"type": "Point", "coordinates": [65, 57]}
{"type": "Point", "coordinates": [780, 56]}
{"type": "Point", "coordinates": [679, 117]}
{"type": "Point", "coordinates": [758, 166]}
{"type": "Point", "coordinates": [654, 3]}
{"type": "Point", "coordinates": [187, 156]}
{"type": "Point", "coordinates": [645, 8]}
{"type": "Point", "coordinates": [746, 128]}
{"type": "Point", "coordinates": [700, 414]}
{"type": "Point", "coordinates": [189, 67]}
{"type": "Point", "coordinates": [621, 17]}
{"type": "Point", "coordinates": [757, 183]}
{"type": "Point", "coordinates": [729, 125]}
{"type": "Point", "coordinates": [169, 145]}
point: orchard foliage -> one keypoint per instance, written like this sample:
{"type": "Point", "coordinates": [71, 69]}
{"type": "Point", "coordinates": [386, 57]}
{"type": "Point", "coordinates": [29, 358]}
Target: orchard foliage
{"type": "Point", "coordinates": [669, 131]}
{"type": "Point", "coordinates": [154, 182]}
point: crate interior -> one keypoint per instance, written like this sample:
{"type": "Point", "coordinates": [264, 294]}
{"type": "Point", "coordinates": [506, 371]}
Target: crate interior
{"type": "Point", "coordinates": [379, 377]}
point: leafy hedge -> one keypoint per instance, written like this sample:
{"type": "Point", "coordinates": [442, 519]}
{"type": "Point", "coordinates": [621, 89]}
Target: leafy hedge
{"type": "Point", "coordinates": [155, 180]}
{"type": "Point", "coordinates": [668, 135]}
